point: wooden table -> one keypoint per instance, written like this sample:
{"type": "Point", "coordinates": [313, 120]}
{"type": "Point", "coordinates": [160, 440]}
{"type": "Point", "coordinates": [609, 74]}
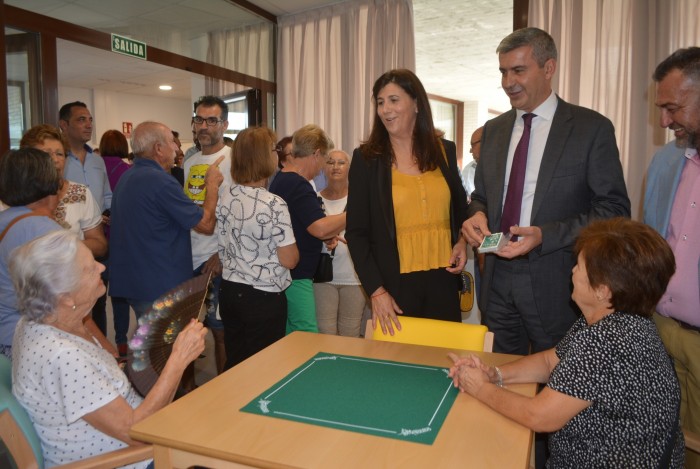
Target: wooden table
{"type": "Point", "coordinates": [206, 427]}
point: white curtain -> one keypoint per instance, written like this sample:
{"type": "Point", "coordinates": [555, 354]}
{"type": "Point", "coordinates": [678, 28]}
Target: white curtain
{"type": "Point", "coordinates": [248, 50]}
{"type": "Point", "coordinates": [608, 50]}
{"type": "Point", "coordinates": [328, 60]}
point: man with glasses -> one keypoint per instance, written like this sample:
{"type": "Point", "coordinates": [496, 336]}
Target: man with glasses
{"type": "Point", "coordinates": [208, 126]}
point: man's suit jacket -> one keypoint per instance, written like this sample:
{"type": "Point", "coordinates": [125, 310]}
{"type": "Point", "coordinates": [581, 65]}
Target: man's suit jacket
{"type": "Point", "coordinates": [663, 178]}
{"type": "Point", "coordinates": [371, 229]}
{"type": "Point", "coordinates": [580, 179]}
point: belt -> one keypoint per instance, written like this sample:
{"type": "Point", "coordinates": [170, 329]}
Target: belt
{"type": "Point", "coordinates": [685, 325]}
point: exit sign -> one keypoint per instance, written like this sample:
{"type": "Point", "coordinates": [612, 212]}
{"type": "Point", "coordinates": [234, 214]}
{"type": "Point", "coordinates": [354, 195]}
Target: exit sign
{"type": "Point", "coordinates": [126, 46]}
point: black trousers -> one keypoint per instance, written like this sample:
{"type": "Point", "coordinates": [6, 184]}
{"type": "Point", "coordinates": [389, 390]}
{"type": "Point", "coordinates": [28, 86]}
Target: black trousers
{"type": "Point", "coordinates": [432, 294]}
{"type": "Point", "coordinates": [253, 319]}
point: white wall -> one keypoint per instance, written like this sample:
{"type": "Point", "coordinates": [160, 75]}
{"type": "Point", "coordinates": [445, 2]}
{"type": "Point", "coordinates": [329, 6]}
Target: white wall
{"type": "Point", "coordinates": [109, 109]}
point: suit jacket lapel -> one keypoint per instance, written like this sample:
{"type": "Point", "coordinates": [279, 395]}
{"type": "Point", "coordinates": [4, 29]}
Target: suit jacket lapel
{"type": "Point", "coordinates": [501, 136]}
{"type": "Point", "coordinates": [562, 126]}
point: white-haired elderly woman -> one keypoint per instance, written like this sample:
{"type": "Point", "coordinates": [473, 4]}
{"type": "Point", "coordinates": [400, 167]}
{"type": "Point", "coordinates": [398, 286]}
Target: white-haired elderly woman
{"type": "Point", "coordinates": [78, 398]}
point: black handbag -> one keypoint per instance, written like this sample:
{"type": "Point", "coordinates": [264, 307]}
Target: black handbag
{"type": "Point", "coordinates": [324, 270]}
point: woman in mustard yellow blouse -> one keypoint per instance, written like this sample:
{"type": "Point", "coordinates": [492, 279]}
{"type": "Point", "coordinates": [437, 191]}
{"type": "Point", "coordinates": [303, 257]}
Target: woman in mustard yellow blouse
{"type": "Point", "coordinates": [406, 204]}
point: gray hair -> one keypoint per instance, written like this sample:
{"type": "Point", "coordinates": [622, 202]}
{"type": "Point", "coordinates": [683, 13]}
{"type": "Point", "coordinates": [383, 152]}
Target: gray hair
{"type": "Point", "coordinates": [310, 138]}
{"type": "Point", "coordinates": [344, 153]}
{"type": "Point", "coordinates": [146, 135]}
{"type": "Point", "coordinates": [44, 270]}
{"type": "Point", "coordinates": [543, 46]}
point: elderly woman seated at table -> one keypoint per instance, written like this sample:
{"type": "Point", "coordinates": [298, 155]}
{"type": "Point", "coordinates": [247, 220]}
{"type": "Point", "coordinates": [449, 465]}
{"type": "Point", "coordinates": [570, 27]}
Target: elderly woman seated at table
{"type": "Point", "coordinates": [78, 398]}
{"type": "Point", "coordinates": [611, 397]}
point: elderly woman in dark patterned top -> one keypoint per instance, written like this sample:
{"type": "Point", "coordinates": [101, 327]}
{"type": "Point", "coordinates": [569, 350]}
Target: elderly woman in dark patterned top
{"type": "Point", "coordinates": [80, 401]}
{"type": "Point", "coordinates": [611, 397]}
{"type": "Point", "coordinates": [77, 209]}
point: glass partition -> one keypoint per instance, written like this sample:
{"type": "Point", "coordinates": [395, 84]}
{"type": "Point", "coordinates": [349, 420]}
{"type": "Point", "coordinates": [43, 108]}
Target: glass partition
{"type": "Point", "coordinates": [23, 82]}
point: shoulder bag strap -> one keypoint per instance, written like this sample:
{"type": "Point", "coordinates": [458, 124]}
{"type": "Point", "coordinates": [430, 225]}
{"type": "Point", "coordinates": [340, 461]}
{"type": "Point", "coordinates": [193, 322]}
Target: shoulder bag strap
{"type": "Point", "coordinates": [15, 220]}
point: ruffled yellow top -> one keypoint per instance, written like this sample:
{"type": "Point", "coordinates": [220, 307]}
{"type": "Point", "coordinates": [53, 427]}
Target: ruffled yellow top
{"type": "Point", "coordinates": [422, 215]}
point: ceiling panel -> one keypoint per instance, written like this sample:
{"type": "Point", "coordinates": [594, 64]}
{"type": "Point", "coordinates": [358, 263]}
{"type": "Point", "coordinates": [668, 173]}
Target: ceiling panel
{"type": "Point", "coordinates": [455, 39]}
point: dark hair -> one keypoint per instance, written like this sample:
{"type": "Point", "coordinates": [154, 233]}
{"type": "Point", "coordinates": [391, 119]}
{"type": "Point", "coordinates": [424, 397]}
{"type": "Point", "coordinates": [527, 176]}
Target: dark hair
{"type": "Point", "coordinates": [686, 60]}
{"type": "Point", "coordinates": [426, 143]}
{"type": "Point", "coordinates": [631, 259]}
{"type": "Point", "coordinates": [543, 46]}
{"type": "Point", "coordinates": [40, 133]}
{"type": "Point", "coordinates": [281, 155]}
{"type": "Point", "coordinates": [209, 101]}
{"type": "Point", "coordinates": [65, 112]}
{"type": "Point", "coordinates": [176, 134]}
{"type": "Point", "coordinates": [26, 176]}
{"type": "Point", "coordinates": [113, 143]}
{"type": "Point", "coordinates": [251, 155]}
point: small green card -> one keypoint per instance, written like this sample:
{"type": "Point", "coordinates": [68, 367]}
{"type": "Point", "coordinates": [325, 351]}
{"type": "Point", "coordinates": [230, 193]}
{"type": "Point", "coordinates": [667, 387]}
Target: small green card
{"type": "Point", "coordinates": [377, 397]}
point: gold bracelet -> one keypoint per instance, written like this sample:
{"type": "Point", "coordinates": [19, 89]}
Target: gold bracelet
{"type": "Point", "coordinates": [375, 295]}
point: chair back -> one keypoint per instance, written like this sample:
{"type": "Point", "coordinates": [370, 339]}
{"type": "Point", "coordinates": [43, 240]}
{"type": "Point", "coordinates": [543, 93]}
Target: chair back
{"type": "Point", "coordinates": [5, 372]}
{"type": "Point", "coordinates": [16, 429]}
{"type": "Point", "coordinates": [436, 333]}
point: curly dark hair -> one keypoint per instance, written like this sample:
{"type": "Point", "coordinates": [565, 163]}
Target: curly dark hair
{"type": "Point", "coordinates": [209, 101]}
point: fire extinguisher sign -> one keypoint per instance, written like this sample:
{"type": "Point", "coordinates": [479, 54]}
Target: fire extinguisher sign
{"type": "Point", "coordinates": [126, 129]}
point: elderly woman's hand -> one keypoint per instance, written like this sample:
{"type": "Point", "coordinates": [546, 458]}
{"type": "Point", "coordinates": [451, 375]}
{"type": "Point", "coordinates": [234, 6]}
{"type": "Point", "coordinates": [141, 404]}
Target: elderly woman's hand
{"type": "Point", "coordinates": [469, 374]}
{"type": "Point", "coordinates": [332, 243]}
{"type": "Point", "coordinates": [189, 343]}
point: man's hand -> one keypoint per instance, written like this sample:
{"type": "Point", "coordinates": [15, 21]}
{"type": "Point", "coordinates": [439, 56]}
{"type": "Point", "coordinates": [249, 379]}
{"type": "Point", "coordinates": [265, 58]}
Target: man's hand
{"type": "Point", "coordinates": [213, 177]}
{"type": "Point", "coordinates": [529, 237]}
{"type": "Point", "coordinates": [475, 228]}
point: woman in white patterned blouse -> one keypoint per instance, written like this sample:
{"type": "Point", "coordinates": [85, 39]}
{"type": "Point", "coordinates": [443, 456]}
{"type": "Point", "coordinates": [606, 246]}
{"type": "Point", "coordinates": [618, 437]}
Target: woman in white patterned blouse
{"type": "Point", "coordinates": [79, 400]}
{"type": "Point", "coordinates": [77, 209]}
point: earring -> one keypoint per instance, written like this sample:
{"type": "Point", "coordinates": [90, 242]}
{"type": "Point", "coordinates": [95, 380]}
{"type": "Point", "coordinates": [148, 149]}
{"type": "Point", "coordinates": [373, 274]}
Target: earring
{"type": "Point", "coordinates": [73, 307]}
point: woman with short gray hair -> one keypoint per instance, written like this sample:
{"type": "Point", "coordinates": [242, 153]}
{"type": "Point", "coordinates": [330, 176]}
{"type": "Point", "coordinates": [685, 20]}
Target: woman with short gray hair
{"type": "Point", "coordinates": [310, 147]}
{"type": "Point", "coordinates": [79, 400]}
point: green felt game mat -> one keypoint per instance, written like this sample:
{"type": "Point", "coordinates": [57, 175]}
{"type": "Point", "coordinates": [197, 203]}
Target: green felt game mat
{"type": "Point", "coordinates": [377, 397]}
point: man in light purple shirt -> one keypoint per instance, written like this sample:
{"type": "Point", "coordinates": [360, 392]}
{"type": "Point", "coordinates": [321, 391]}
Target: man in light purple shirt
{"type": "Point", "coordinates": [672, 207]}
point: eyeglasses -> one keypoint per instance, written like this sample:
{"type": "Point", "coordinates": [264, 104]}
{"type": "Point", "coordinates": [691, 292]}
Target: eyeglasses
{"type": "Point", "coordinates": [339, 163]}
{"type": "Point", "coordinates": [211, 121]}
